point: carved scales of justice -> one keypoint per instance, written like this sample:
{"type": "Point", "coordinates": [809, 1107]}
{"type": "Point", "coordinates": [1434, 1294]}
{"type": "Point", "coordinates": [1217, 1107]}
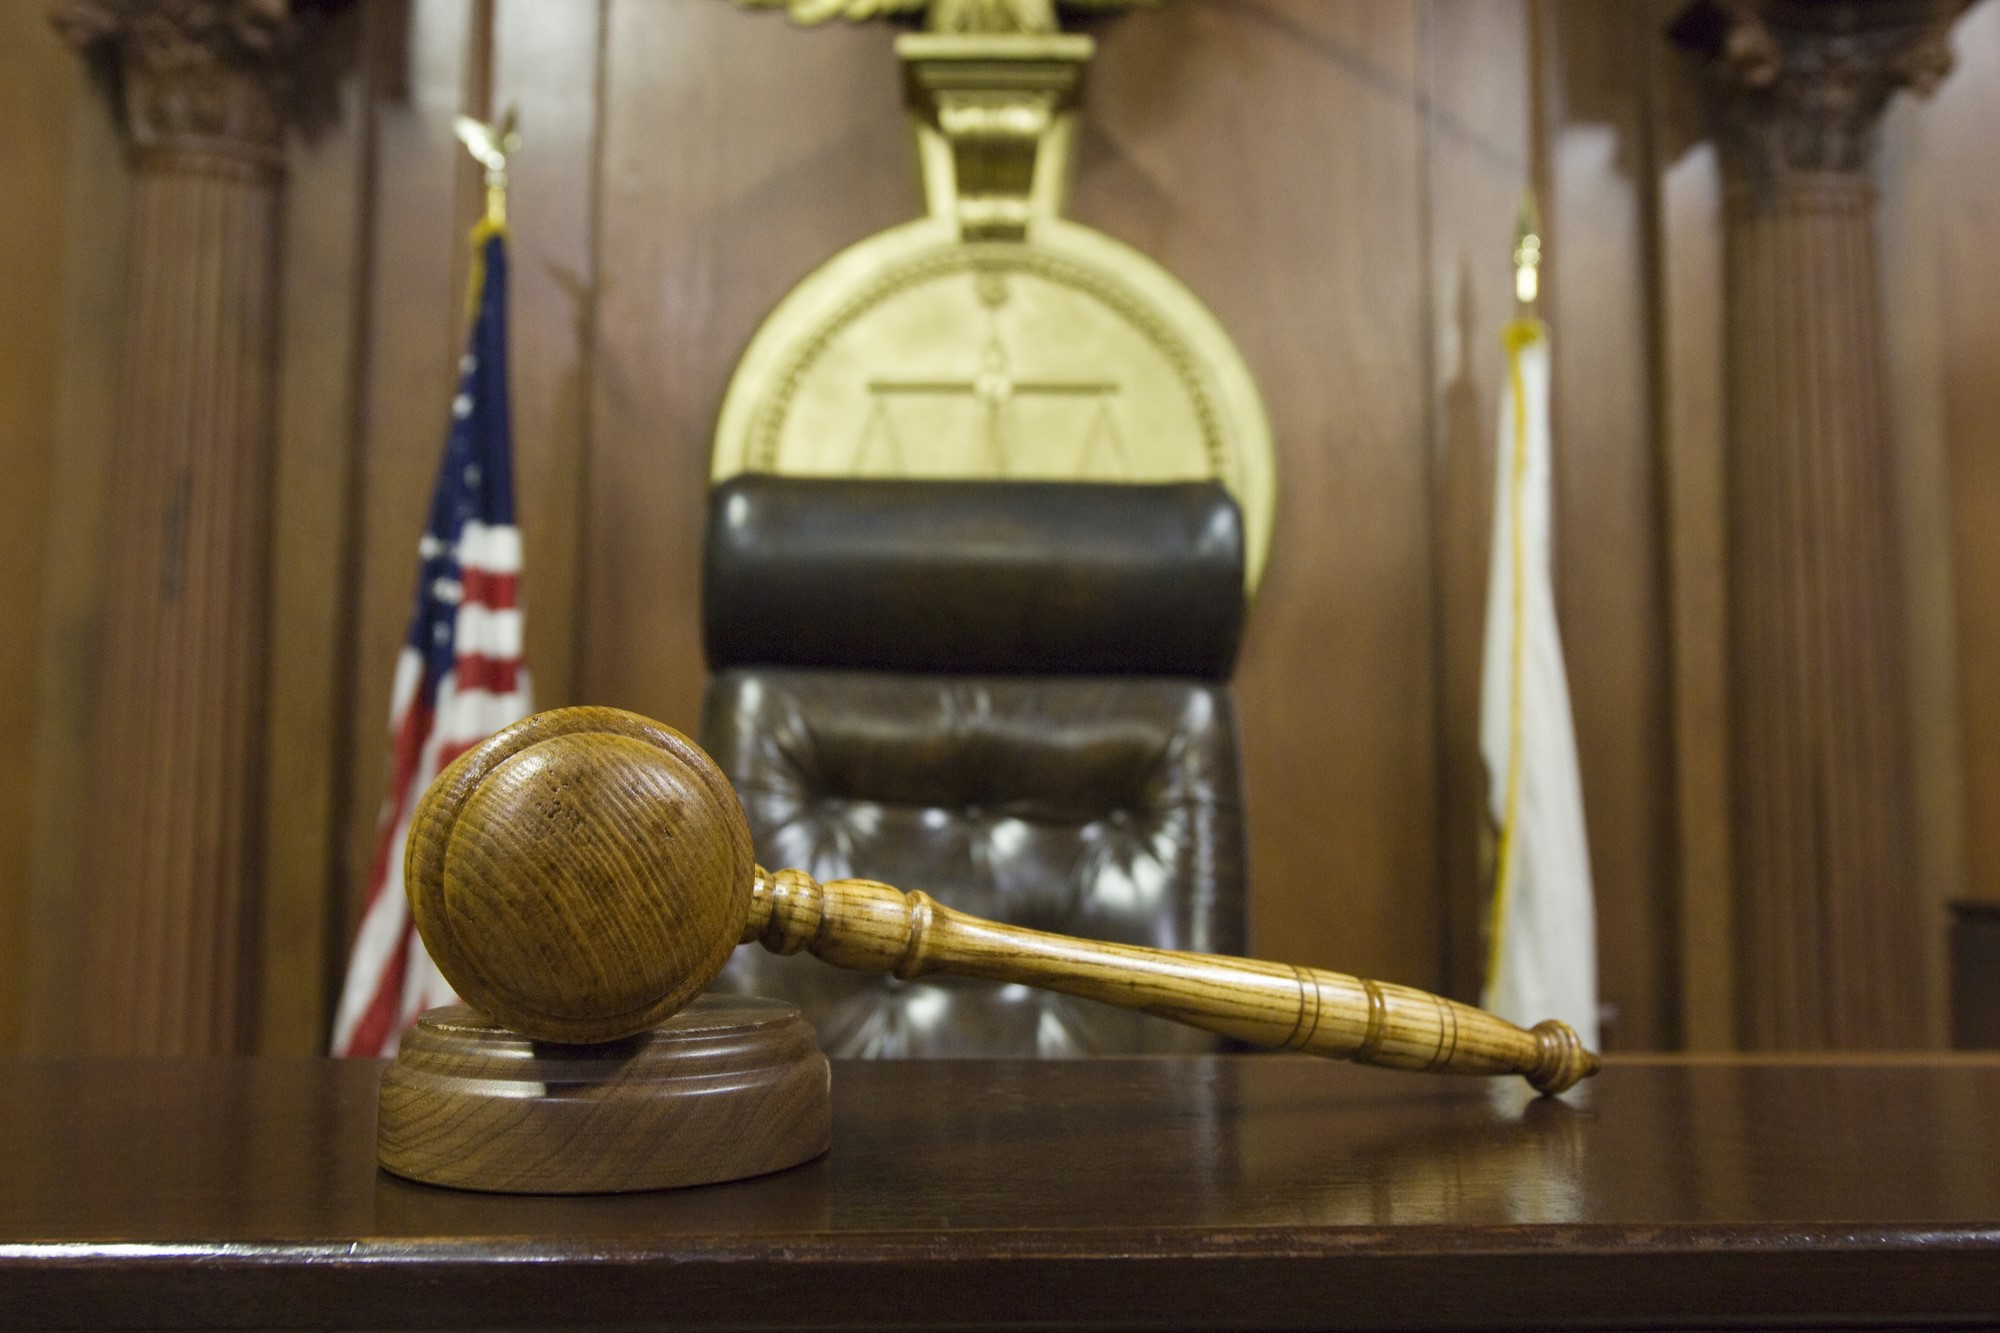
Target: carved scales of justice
{"type": "Point", "coordinates": [992, 336]}
{"type": "Point", "coordinates": [581, 877]}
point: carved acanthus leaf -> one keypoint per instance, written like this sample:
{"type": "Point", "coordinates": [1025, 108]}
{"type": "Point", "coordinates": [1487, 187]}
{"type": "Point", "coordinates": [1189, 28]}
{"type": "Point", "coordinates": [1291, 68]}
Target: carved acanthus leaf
{"type": "Point", "coordinates": [1800, 87]}
{"type": "Point", "coordinates": [196, 73]}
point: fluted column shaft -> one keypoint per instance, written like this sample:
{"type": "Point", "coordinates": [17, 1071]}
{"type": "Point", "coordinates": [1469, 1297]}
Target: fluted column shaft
{"type": "Point", "coordinates": [1828, 947]}
{"type": "Point", "coordinates": [174, 786]}
{"type": "Point", "coordinates": [1829, 950]}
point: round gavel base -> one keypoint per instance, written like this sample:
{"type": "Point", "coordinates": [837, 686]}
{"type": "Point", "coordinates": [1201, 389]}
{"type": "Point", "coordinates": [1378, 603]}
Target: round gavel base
{"type": "Point", "coordinates": [728, 1087]}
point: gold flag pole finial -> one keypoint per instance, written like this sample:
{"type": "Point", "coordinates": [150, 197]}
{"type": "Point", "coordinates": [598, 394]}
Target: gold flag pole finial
{"type": "Point", "coordinates": [1527, 254]}
{"type": "Point", "coordinates": [492, 145]}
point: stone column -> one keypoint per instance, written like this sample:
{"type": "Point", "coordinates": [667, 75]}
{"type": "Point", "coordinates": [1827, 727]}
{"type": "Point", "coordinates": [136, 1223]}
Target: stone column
{"type": "Point", "coordinates": [1829, 947]}
{"type": "Point", "coordinates": [170, 891]}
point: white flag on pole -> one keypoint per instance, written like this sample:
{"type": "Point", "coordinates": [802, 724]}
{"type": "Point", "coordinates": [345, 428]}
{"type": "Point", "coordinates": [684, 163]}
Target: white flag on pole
{"type": "Point", "coordinates": [1542, 939]}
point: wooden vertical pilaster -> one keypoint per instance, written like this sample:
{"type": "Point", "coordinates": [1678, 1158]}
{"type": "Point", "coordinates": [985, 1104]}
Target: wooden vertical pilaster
{"type": "Point", "coordinates": [1827, 913]}
{"type": "Point", "coordinates": [171, 867]}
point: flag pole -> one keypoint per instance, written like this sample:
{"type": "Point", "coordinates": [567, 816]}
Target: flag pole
{"type": "Point", "coordinates": [490, 145]}
{"type": "Point", "coordinates": [1541, 937]}
{"type": "Point", "coordinates": [1522, 330]}
{"type": "Point", "coordinates": [461, 672]}
{"type": "Point", "coordinates": [1527, 255]}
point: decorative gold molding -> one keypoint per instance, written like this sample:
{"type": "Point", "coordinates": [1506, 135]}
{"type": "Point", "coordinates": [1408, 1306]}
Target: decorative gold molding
{"type": "Point", "coordinates": [201, 77]}
{"type": "Point", "coordinates": [994, 118]}
{"type": "Point", "coordinates": [988, 265]}
{"type": "Point", "coordinates": [951, 16]}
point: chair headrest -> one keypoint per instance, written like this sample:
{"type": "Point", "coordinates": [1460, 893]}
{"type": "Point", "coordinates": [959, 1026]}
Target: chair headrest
{"type": "Point", "coordinates": [964, 577]}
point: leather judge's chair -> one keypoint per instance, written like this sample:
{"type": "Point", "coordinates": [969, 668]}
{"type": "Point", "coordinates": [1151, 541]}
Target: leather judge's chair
{"type": "Point", "coordinates": [1011, 695]}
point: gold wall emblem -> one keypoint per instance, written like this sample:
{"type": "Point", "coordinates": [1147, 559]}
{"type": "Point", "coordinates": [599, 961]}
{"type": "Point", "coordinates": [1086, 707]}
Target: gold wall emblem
{"type": "Point", "coordinates": [993, 337]}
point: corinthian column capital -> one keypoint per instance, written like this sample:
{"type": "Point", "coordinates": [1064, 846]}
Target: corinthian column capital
{"type": "Point", "coordinates": [1798, 86]}
{"type": "Point", "coordinates": [201, 77]}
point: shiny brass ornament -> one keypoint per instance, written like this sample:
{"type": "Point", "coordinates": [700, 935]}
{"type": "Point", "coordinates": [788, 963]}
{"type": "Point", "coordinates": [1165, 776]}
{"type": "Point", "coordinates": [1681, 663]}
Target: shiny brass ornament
{"type": "Point", "coordinates": [993, 337]}
{"type": "Point", "coordinates": [491, 146]}
{"type": "Point", "coordinates": [980, 16]}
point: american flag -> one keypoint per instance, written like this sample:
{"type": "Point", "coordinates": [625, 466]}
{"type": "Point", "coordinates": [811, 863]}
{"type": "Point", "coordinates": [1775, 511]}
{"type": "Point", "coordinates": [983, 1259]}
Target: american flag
{"type": "Point", "coordinates": [459, 676]}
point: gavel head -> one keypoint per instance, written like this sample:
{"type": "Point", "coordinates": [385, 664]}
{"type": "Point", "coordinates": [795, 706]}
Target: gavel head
{"type": "Point", "coordinates": [581, 875]}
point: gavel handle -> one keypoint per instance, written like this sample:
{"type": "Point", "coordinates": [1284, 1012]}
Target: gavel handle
{"type": "Point", "coordinates": [864, 926]}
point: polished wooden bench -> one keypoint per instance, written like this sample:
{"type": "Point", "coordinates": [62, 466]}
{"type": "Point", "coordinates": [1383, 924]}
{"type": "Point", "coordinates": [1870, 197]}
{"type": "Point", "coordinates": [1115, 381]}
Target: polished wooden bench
{"type": "Point", "coordinates": [1212, 1192]}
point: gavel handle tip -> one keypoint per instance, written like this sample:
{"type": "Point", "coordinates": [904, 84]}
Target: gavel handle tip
{"type": "Point", "coordinates": [1562, 1060]}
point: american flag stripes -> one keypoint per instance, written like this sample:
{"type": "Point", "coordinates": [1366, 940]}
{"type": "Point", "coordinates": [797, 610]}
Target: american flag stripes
{"type": "Point", "coordinates": [460, 675]}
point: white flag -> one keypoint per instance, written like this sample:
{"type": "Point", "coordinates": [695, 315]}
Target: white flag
{"type": "Point", "coordinates": [1542, 958]}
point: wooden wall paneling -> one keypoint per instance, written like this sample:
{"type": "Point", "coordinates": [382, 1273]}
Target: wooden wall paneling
{"type": "Point", "coordinates": [1610, 578]}
{"type": "Point", "coordinates": [1912, 277]}
{"type": "Point", "coordinates": [326, 223]}
{"type": "Point", "coordinates": [738, 153]}
{"type": "Point", "coordinates": [1692, 427]}
{"type": "Point", "coordinates": [40, 85]}
{"type": "Point", "coordinates": [1270, 155]}
{"type": "Point", "coordinates": [1687, 263]}
{"type": "Point", "coordinates": [1960, 122]}
{"type": "Point", "coordinates": [427, 67]}
{"type": "Point", "coordinates": [90, 360]}
{"type": "Point", "coordinates": [1477, 137]}
{"type": "Point", "coordinates": [545, 63]}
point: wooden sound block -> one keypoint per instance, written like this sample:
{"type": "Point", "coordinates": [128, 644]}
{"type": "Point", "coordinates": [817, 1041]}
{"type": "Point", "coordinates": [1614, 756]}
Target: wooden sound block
{"type": "Point", "coordinates": [731, 1086]}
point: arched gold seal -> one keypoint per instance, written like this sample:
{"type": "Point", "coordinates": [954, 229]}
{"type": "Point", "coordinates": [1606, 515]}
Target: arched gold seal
{"type": "Point", "coordinates": [993, 338]}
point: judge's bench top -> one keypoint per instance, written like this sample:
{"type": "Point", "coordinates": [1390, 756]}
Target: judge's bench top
{"type": "Point", "coordinates": [1233, 1191]}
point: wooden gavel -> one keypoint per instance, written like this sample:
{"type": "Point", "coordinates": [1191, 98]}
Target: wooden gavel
{"type": "Point", "coordinates": [586, 872]}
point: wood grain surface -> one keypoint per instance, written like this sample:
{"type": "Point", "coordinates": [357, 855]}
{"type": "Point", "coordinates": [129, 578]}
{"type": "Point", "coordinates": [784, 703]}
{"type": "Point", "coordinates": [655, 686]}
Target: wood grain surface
{"type": "Point", "coordinates": [731, 1086]}
{"type": "Point", "coordinates": [869, 927]}
{"type": "Point", "coordinates": [315, 482]}
{"type": "Point", "coordinates": [580, 876]}
{"type": "Point", "coordinates": [1957, 236]}
{"type": "Point", "coordinates": [1232, 1192]}
{"type": "Point", "coordinates": [39, 97]}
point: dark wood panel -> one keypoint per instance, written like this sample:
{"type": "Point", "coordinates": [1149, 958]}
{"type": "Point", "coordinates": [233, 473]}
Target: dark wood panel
{"type": "Point", "coordinates": [1692, 329]}
{"type": "Point", "coordinates": [313, 551]}
{"type": "Point", "coordinates": [1268, 154]}
{"type": "Point", "coordinates": [1688, 264]}
{"type": "Point", "coordinates": [1477, 147]}
{"type": "Point", "coordinates": [714, 200]}
{"type": "Point", "coordinates": [429, 61]}
{"type": "Point", "coordinates": [545, 63]}
{"type": "Point", "coordinates": [1975, 975]}
{"type": "Point", "coordinates": [1912, 163]}
{"type": "Point", "coordinates": [1961, 119]}
{"type": "Point", "coordinates": [39, 87]}
{"type": "Point", "coordinates": [1610, 580]}
{"type": "Point", "coordinates": [94, 225]}
{"type": "Point", "coordinates": [1246, 1191]}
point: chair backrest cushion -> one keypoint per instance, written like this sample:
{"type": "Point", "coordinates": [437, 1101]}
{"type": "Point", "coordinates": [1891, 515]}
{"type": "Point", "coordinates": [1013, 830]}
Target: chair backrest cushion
{"type": "Point", "coordinates": [974, 576]}
{"type": "Point", "coordinates": [1103, 808]}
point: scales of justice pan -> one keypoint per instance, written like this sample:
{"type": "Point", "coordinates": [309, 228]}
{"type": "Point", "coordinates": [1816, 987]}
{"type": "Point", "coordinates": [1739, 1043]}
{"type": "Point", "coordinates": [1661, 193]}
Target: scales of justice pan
{"type": "Point", "coordinates": [582, 876]}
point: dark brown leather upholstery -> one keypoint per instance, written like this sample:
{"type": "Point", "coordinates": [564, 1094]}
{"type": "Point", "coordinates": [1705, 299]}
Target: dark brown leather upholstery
{"type": "Point", "coordinates": [1103, 808]}
{"type": "Point", "coordinates": [969, 577]}
{"type": "Point", "coordinates": [1042, 737]}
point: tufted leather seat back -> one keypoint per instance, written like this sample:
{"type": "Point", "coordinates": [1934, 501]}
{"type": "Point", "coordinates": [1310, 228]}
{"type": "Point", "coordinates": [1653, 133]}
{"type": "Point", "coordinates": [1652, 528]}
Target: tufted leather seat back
{"type": "Point", "coordinates": [1096, 805]}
